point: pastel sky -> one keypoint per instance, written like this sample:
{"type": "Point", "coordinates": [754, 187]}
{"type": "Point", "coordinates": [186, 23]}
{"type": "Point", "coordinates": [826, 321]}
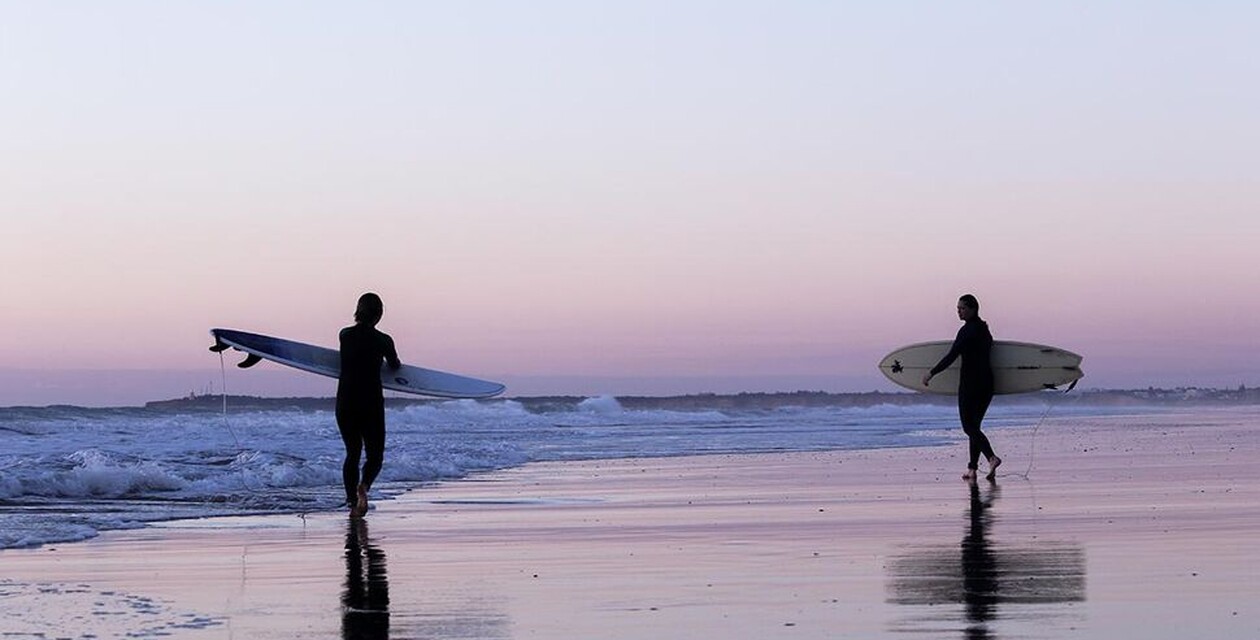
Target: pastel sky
{"type": "Point", "coordinates": [644, 197]}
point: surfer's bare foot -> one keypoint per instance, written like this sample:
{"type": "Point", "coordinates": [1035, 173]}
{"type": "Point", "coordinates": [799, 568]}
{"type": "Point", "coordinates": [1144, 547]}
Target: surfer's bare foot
{"type": "Point", "coordinates": [360, 507]}
{"type": "Point", "coordinates": [970, 475]}
{"type": "Point", "coordinates": [993, 465]}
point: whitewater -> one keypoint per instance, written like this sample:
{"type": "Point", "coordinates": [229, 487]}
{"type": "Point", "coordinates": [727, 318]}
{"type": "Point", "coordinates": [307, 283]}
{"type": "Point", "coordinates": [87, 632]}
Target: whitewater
{"type": "Point", "coordinates": [68, 473]}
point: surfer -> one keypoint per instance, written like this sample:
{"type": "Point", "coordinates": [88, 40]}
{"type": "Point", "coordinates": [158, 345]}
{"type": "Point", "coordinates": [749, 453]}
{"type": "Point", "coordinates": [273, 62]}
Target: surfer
{"type": "Point", "coordinates": [975, 383]}
{"type": "Point", "coordinates": [361, 401]}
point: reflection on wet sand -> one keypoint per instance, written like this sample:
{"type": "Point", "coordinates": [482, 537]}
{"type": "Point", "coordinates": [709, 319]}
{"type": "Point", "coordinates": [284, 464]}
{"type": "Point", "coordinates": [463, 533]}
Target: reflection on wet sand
{"type": "Point", "coordinates": [430, 612]}
{"type": "Point", "coordinates": [365, 598]}
{"type": "Point", "coordinates": [989, 580]}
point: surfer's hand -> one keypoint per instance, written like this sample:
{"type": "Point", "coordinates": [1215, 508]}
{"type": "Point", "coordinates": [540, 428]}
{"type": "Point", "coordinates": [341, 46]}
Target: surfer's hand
{"type": "Point", "coordinates": [927, 377]}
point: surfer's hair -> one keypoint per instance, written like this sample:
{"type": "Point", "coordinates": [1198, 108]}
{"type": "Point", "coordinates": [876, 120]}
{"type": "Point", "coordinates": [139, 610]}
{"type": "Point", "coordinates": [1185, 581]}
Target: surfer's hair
{"type": "Point", "coordinates": [970, 302]}
{"type": "Point", "coordinates": [370, 308]}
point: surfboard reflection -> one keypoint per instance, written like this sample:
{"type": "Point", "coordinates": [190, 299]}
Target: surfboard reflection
{"type": "Point", "coordinates": [985, 577]}
{"type": "Point", "coordinates": [365, 597]}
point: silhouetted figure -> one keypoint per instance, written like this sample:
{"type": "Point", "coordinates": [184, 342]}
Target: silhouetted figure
{"type": "Point", "coordinates": [365, 600]}
{"type": "Point", "coordinates": [361, 401]}
{"type": "Point", "coordinates": [975, 383]}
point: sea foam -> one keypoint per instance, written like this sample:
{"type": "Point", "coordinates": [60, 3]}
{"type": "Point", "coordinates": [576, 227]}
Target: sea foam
{"type": "Point", "coordinates": [67, 473]}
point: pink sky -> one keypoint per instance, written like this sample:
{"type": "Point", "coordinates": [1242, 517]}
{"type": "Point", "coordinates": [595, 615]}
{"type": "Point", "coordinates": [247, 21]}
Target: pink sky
{"type": "Point", "coordinates": [644, 199]}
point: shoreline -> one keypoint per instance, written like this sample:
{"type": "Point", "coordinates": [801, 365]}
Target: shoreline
{"type": "Point", "coordinates": [1151, 397]}
{"type": "Point", "coordinates": [1137, 398]}
{"type": "Point", "coordinates": [1014, 433]}
{"type": "Point", "coordinates": [1124, 528]}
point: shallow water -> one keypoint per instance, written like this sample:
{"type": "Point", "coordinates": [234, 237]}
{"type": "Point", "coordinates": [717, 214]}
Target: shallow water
{"type": "Point", "coordinates": [67, 473]}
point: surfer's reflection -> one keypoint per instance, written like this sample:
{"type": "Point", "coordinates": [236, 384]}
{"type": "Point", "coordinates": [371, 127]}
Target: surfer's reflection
{"type": "Point", "coordinates": [981, 575]}
{"type": "Point", "coordinates": [979, 566]}
{"type": "Point", "coordinates": [365, 600]}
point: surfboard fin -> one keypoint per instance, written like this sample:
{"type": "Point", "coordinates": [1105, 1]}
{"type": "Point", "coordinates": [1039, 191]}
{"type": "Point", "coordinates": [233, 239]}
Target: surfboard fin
{"type": "Point", "coordinates": [219, 347]}
{"type": "Point", "coordinates": [250, 361]}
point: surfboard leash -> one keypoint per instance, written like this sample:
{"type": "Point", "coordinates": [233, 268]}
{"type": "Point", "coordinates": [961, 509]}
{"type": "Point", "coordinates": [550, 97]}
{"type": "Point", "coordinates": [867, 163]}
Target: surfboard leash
{"type": "Point", "coordinates": [1032, 443]}
{"type": "Point", "coordinates": [228, 423]}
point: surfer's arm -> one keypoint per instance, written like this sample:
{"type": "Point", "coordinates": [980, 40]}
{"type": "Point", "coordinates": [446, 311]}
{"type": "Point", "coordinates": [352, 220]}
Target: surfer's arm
{"type": "Point", "coordinates": [946, 361]}
{"type": "Point", "coordinates": [391, 354]}
{"type": "Point", "coordinates": [954, 351]}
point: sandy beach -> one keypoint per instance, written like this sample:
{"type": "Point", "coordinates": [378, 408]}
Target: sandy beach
{"type": "Point", "coordinates": [1125, 527]}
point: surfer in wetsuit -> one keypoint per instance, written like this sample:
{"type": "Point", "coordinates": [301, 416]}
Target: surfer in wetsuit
{"type": "Point", "coordinates": [975, 385]}
{"type": "Point", "coordinates": [361, 401]}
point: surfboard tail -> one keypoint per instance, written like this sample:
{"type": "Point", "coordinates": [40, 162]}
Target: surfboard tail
{"type": "Point", "coordinates": [220, 346]}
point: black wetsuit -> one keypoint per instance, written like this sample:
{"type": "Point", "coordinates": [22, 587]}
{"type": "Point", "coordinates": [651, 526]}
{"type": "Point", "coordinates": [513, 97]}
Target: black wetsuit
{"type": "Point", "coordinates": [975, 384]}
{"type": "Point", "coordinates": [361, 402]}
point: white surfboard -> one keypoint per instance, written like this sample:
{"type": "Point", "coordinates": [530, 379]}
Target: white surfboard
{"type": "Point", "coordinates": [327, 362]}
{"type": "Point", "coordinates": [1018, 367]}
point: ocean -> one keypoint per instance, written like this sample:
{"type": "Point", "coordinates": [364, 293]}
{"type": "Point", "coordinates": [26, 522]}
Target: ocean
{"type": "Point", "coordinates": [68, 473]}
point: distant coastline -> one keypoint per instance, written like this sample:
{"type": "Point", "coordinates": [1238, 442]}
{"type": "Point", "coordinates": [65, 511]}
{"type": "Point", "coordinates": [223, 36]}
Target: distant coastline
{"type": "Point", "coordinates": [709, 401]}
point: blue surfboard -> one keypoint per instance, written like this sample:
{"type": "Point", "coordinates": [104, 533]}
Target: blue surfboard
{"type": "Point", "coordinates": [327, 362]}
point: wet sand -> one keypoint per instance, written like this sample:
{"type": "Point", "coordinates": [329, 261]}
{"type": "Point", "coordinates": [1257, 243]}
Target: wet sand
{"type": "Point", "coordinates": [1126, 527]}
